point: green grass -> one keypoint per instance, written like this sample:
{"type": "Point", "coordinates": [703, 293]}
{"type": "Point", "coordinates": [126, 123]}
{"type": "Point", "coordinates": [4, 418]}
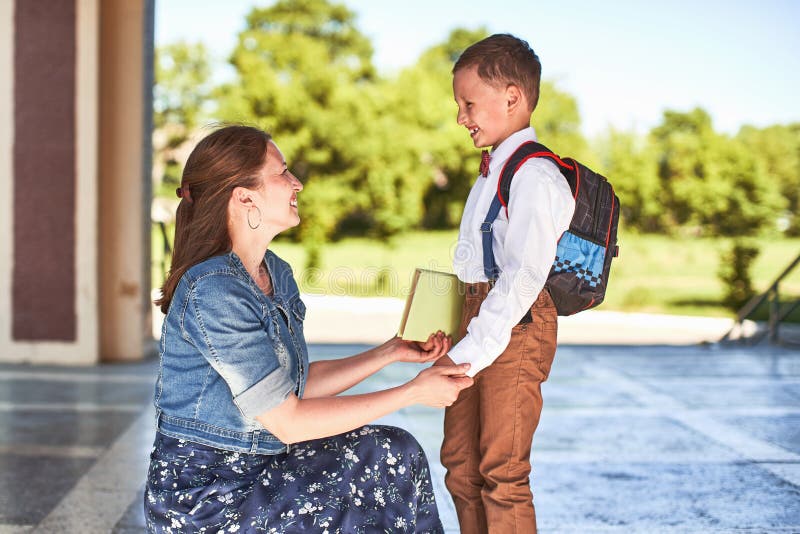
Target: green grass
{"type": "Point", "coordinates": [361, 267]}
{"type": "Point", "coordinates": [654, 274]}
{"type": "Point", "coordinates": [669, 275]}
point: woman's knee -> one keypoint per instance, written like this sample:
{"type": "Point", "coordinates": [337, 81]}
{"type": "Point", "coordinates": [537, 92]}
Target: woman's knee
{"type": "Point", "coordinates": [398, 437]}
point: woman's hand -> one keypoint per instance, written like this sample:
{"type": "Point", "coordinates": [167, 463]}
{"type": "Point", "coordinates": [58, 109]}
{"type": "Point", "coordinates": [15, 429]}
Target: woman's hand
{"type": "Point", "coordinates": [434, 348]}
{"type": "Point", "coordinates": [444, 360]}
{"type": "Point", "coordinates": [439, 386]}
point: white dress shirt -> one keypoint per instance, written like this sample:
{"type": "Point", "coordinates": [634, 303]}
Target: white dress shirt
{"type": "Point", "coordinates": [524, 244]}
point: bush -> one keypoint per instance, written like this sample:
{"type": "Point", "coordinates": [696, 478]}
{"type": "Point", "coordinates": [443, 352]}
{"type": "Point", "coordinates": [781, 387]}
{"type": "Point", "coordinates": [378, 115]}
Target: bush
{"type": "Point", "coordinates": [734, 272]}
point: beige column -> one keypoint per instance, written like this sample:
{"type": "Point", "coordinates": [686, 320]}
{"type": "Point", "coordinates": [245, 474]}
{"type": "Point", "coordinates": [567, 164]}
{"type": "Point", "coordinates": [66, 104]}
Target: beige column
{"type": "Point", "coordinates": [6, 172]}
{"type": "Point", "coordinates": [84, 348]}
{"type": "Point", "coordinates": [124, 184]}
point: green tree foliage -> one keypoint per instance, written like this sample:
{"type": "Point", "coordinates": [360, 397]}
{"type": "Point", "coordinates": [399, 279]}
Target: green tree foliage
{"type": "Point", "coordinates": [422, 97]}
{"type": "Point", "coordinates": [683, 142]}
{"type": "Point", "coordinates": [744, 203]}
{"type": "Point", "coordinates": [380, 155]}
{"type": "Point", "coordinates": [778, 148]}
{"type": "Point", "coordinates": [305, 74]}
{"type": "Point", "coordinates": [181, 92]}
{"type": "Point", "coordinates": [182, 84]}
{"type": "Point", "coordinates": [180, 97]}
{"type": "Point", "coordinates": [558, 123]}
{"type": "Point", "coordinates": [377, 155]}
{"type": "Point", "coordinates": [734, 273]}
{"type": "Point", "coordinates": [710, 183]}
{"type": "Point", "coordinates": [629, 161]}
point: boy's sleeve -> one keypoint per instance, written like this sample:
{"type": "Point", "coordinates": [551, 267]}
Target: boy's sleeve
{"type": "Point", "coordinates": [539, 211]}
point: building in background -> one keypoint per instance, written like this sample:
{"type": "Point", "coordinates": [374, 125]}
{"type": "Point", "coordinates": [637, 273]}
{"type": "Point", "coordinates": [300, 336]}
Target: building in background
{"type": "Point", "coordinates": [75, 122]}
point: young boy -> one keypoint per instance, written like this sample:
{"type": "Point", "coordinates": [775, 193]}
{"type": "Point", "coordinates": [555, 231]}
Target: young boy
{"type": "Point", "coordinates": [509, 324]}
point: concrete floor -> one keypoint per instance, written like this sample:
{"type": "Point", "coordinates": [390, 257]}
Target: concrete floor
{"type": "Point", "coordinates": [632, 439]}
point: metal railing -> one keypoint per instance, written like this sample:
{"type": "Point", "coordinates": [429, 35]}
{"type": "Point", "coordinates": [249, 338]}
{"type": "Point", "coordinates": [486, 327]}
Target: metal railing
{"type": "Point", "coordinates": [777, 313]}
{"type": "Point", "coordinates": [166, 251]}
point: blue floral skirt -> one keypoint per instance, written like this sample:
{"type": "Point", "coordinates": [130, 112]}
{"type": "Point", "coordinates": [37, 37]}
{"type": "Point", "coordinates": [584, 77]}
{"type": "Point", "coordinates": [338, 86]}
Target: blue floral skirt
{"type": "Point", "coordinates": [374, 479]}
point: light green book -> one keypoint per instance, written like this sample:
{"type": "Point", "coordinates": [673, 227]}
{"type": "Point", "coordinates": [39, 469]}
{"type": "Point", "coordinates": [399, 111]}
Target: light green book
{"type": "Point", "coordinates": [434, 303]}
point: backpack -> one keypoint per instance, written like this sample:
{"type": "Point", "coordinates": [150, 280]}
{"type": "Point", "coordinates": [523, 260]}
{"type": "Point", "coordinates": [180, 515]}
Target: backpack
{"type": "Point", "coordinates": [579, 276]}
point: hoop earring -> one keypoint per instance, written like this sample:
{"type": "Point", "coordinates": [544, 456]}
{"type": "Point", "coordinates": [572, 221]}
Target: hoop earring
{"type": "Point", "coordinates": [250, 224]}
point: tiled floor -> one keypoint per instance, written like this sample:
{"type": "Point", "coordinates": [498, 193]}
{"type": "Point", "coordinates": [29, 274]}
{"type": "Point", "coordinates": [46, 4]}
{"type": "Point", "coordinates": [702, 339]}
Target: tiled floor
{"type": "Point", "coordinates": [632, 439]}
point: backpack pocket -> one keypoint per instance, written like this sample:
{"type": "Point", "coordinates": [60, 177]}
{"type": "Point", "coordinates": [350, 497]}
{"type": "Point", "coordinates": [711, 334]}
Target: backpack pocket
{"type": "Point", "coordinates": [575, 280]}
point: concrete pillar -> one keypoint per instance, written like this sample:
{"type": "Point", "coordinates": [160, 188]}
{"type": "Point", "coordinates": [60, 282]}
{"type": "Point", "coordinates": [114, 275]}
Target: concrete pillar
{"type": "Point", "coordinates": [126, 37]}
{"type": "Point", "coordinates": [48, 179]}
{"type": "Point", "coordinates": [75, 101]}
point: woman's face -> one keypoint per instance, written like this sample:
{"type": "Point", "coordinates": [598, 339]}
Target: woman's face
{"type": "Point", "coordinates": [278, 192]}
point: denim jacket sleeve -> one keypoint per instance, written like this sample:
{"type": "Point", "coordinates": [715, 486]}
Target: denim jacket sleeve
{"type": "Point", "coordinates": [224, 320]}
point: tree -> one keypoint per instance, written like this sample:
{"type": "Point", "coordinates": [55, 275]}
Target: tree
{"type": "Point", "coordinates": [629, 162]}
{"type": "Point", "coordinates": [180, 96]}
{"type": "Point", "coordinates": [778, 149]}
{"type": "Point", "coordinates": [377, 156]}
{"type": "Point", "coordinates": [446, 161]}
{"type": "Point", "coordinates": [305, 73]}
{"type": "Point", "coordinates": [423, 96]}
{"type": "Point", "coordinates": [181, 93]}
{"type": "Point", "coordinates": [711, 183]}
{"type": "Point", "coordinates": [734, 273]}
{"type": "Point", "coordinates": [558, 123]}
{"type": "Point", "coordinates": [682, 143]}
{"type": "Point", "coordinates": [741, 200]}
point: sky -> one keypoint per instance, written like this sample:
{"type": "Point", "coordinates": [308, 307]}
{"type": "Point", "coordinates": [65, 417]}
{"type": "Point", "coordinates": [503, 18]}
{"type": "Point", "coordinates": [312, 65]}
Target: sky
{"type": "Point", "coordinates": [624, 61]}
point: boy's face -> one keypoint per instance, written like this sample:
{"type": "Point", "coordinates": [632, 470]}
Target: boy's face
{"type": "Point", "coordinates": [489, 113]}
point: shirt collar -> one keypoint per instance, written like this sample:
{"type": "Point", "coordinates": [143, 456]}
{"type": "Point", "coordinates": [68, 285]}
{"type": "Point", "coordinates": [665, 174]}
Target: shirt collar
{"type": "Point", "coordinates": [507, 147]}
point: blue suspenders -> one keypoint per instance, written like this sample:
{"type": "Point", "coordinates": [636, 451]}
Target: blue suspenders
{"type": "Point", "coordinates": [489, 266]}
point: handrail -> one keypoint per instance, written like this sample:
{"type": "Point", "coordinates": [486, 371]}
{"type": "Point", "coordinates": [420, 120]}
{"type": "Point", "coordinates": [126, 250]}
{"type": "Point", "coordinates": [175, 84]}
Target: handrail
{"type": "Point", "coordinates": [776, 315]}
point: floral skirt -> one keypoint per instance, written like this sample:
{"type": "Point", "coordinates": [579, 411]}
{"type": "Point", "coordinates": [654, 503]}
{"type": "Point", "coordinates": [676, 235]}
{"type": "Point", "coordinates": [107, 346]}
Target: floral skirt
{"type": "Point", "coordinates": [373, 479]}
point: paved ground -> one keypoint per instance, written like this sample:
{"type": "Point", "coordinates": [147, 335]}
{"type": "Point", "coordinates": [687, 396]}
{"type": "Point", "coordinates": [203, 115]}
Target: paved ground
{"type": "Point", "coordinates": [632, 439]}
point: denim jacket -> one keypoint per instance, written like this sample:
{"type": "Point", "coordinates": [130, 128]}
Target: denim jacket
{"type": "Point", "coordinates": [229, 353]}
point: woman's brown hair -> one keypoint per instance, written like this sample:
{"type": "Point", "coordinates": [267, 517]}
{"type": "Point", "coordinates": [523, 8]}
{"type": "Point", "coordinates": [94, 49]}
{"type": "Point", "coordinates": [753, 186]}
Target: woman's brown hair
{"type": "Point", "coordinates": [225, 159]}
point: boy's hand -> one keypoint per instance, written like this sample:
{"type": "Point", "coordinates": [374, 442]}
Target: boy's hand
{"type": "Point", "coordinates": [436, 345]}
{"type": "Point", "coordinates": [444, 360]}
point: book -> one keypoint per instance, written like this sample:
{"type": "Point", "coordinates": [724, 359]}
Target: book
{"type": "Point", "coordinates": [434, 303]}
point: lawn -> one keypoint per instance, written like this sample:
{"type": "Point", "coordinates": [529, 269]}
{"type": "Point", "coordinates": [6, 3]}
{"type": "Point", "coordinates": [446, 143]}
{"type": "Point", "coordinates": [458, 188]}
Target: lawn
{"type": "Point", "coordinates": [653, 273]}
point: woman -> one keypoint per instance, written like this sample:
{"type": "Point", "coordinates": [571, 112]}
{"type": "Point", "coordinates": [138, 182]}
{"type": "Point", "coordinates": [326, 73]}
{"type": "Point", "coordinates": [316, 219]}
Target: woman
{"type": "Point", "coordinates": [250, 436]}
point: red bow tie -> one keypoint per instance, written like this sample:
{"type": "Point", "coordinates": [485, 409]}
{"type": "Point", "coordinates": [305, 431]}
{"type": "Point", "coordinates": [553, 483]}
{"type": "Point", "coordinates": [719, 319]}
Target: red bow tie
{"type": "Point", "coordinates": [485, 158]}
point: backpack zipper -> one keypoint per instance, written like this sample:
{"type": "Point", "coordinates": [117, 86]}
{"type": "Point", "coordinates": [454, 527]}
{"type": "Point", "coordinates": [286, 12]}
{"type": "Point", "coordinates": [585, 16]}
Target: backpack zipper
{"type": "Point", "coordinates": [601, 187]}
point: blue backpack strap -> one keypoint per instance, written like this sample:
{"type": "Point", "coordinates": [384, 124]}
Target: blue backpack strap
{"type": "Point", "coordinates": [500, 200]}
{"type": "Point", "coordinates": [523, 153]}
{"type": "Point", "coordinates": [489, 265]}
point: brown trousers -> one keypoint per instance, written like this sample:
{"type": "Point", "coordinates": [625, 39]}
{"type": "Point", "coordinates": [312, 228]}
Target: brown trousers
{"type": "Point", "coordinates": [488, 431]}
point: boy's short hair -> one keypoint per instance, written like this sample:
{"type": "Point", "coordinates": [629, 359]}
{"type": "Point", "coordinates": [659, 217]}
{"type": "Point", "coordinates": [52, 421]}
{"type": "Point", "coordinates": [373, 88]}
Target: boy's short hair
{"type": "Point", "coordinates": [505, 59]}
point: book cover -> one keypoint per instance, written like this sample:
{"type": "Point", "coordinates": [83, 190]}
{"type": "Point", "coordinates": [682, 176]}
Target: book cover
{"type": "Point", "coordinates": [434, 303]}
